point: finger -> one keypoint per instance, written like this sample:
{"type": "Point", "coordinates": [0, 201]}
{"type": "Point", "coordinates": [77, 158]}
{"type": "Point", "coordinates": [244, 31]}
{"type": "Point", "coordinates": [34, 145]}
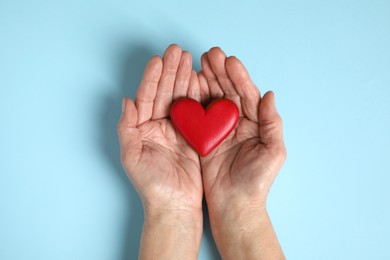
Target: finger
{"type": "Point", "coordinates": [204, 89]}
{"type": "Point", "coordinates": [163, 99]}
{"type": "Point", "coordinates": [147, 90]}
{"type": "Point", "coordinates": [183, 76]}
{"type": "Point", "coordinates": [246, 89]}
{"type": "Point", "coordinates": [212, 82]}
{"type": "Point", "coordinates": [217, 59]}
{"type": "Point", "coordinates": [271, 132]}
{"type": "Point", "coordinates": [194, 88]}
{"type": "Point", "coordinates": [129, 135]}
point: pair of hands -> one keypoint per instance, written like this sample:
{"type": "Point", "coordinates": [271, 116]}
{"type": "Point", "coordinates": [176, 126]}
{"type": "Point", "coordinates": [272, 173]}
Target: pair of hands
{"type": "Point", "coordinates": [168, 174]}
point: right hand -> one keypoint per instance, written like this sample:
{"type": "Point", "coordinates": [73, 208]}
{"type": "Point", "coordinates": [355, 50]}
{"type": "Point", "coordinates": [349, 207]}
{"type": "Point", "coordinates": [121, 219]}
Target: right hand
{"type": "Point", "coordinates": [238, 174]}
{"type": "Point", "coordinates": [241, 170]}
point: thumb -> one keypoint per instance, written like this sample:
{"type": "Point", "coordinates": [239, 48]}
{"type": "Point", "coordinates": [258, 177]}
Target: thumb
{"type": "Point", "coordinates": [271, 131]}
{"type": "Point", "coordinates": [129, 135]}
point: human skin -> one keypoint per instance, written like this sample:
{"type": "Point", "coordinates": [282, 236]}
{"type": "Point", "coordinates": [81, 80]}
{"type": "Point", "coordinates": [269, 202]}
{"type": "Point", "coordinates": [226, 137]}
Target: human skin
{"type": "Point", "coordinates": [171, 178]}
{"type": "Point", "coordinates": [238, 174]}
{"type": "Point", "coordinates": [162, 167]}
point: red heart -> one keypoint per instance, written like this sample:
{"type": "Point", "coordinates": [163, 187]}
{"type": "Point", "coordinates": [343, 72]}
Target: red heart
{"type": "Point", "coordinates": [204, 129]}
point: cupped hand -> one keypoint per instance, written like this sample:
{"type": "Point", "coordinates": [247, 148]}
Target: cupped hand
{"type": "Point", "coordinates": [241, 170]}
{"type": "Point", "coordinates": [162, 167]}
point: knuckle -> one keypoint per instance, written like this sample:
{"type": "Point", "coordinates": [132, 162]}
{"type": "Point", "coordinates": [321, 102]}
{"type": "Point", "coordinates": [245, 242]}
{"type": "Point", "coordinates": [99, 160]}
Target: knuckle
{"type": "Point", "coordinates": [279, 153]}
{"type": "Point", "coordinates": [120, 128]}
{"type": "Point", "coordinates": [279, 120]}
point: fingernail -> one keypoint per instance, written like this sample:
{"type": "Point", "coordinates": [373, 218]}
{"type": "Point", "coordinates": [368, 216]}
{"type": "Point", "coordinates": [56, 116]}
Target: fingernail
{"type": "Point", "coordinates": [123, 104]}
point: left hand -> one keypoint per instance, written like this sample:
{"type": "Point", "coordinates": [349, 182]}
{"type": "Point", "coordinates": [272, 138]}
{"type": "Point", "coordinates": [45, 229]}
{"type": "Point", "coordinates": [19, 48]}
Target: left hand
{"type": "Point", "coordinates": [164, 169]}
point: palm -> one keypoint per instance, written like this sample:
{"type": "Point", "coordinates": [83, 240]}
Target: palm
{"type": "Point", "coordinates": [241, 165]}
{"type": "Point", "coordinates": [165, 152]}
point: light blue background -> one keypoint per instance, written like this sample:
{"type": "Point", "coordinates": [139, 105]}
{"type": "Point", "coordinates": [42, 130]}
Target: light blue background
{"type": "Point", "coordinates": [65, 65]}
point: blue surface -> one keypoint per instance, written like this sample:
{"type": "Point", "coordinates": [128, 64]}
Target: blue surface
{"type": "Point", "coordinates": [65, 65]}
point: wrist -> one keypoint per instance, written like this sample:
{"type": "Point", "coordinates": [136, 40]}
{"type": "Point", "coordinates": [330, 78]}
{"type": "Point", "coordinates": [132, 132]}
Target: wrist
{"type": "Point", "coordinates": [236, 218]}
{"type": "Point", "coordinates": [244, 233]}
{"type": "Point", "coordinates": [236, 205]}
{"type": "Point", "coordinates": [174, 216]}
{"type": "Point", "coordinates": [171, 234]}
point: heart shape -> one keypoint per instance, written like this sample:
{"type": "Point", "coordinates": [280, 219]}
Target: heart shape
{"type": "Point", "coordinates": [204, 129]}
